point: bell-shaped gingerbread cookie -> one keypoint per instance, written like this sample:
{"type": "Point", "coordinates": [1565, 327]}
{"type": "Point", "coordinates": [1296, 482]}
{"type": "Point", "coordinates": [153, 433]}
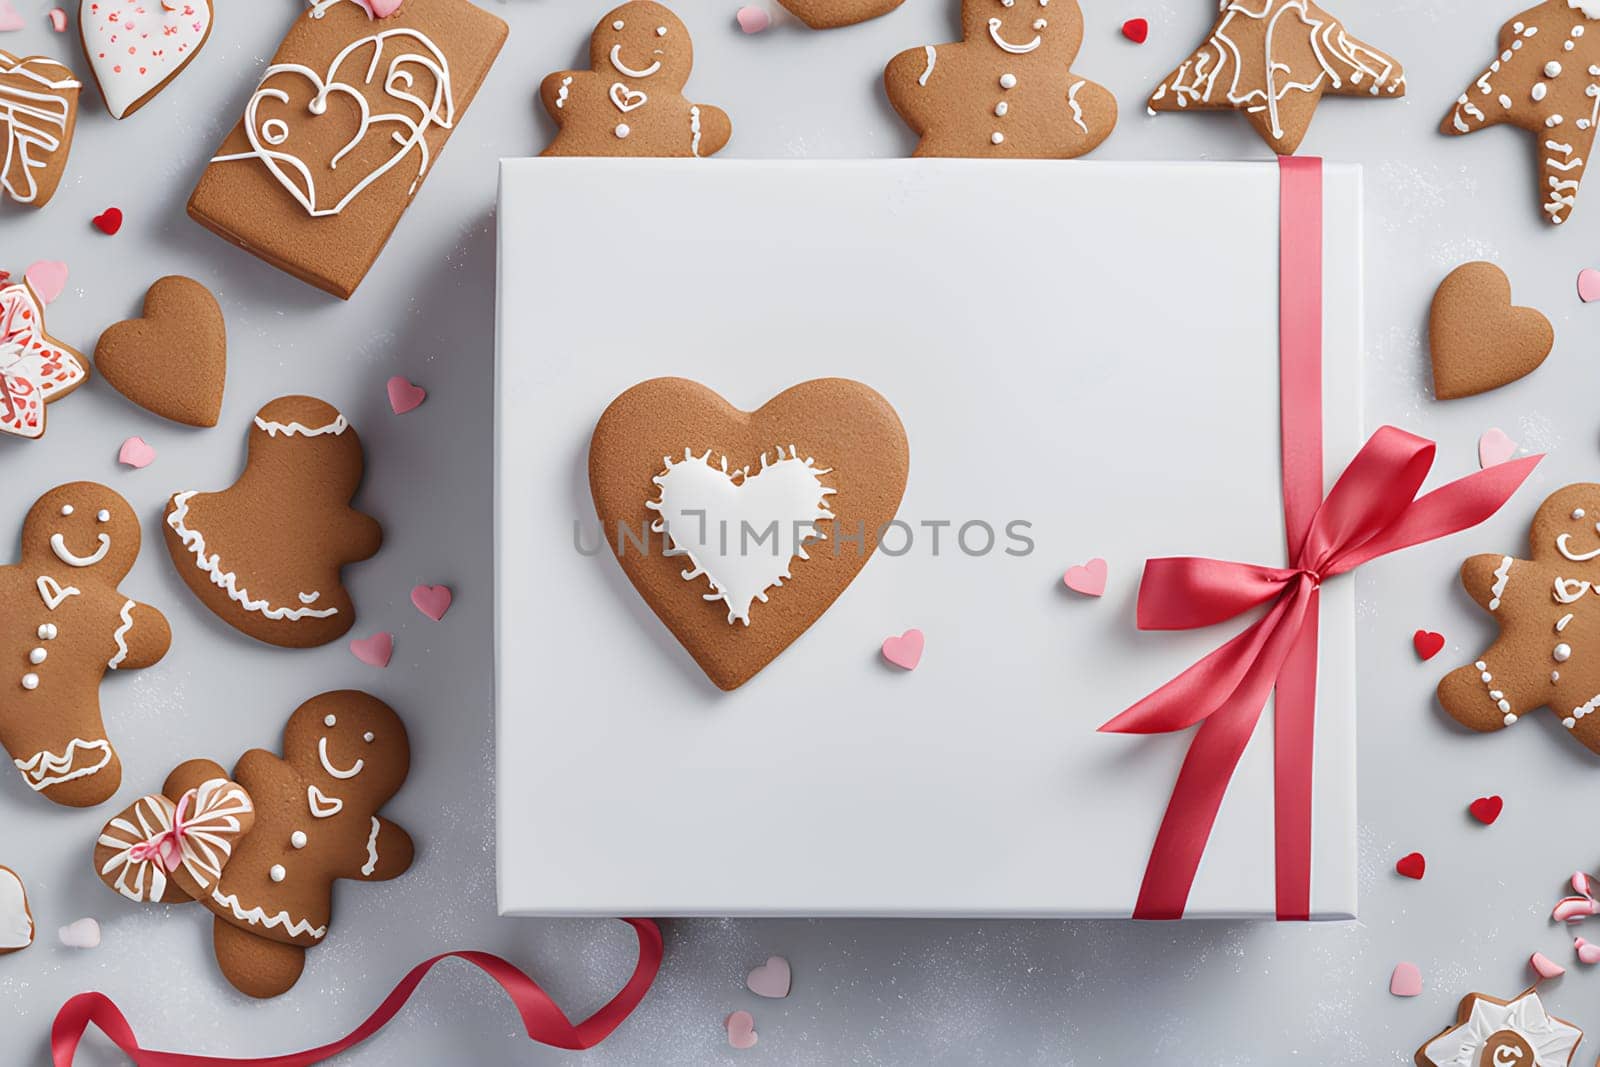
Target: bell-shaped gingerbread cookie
{"type": "Point", "coordinates": [261, 849]}
{"type": "Point", "coordinates": [266, 555]}
{"type": "Point", "coordinates": [63, 625]}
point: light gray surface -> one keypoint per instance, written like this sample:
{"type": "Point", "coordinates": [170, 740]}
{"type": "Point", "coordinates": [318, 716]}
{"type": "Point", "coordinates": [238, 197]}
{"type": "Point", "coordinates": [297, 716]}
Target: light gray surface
{"type": "Point", "coordinates": [887, 992]}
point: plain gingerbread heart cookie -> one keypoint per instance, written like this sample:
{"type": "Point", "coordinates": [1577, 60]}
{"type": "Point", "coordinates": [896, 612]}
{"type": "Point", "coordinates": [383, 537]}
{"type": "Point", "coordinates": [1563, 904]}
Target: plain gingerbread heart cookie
{"type": "Point", "coordinates": [1478, 339]}
{"type": "Point", "coordinates": [1548, 651]}
{"type": "Point", "coordinates": [1006, 90]}
{"type": "Point", "coordinates": [1274, 61]}
{"type": "Point", "coordinates": [630, 102]}
{"type": "Point", "coordinates": [65, 624]}
{"type": "Point", "coordinates": [35, 368]}
{"type": "Point", "coordinates": [134, 49]}
{"type": "Point", "coordinates": [739, 528]}
{"type": "Point", "coordinates": [173, 360]}
{"type": "Point", "coordinates": [828, 14]}
{"type": "Point", "coordinates": [265, 555]}
{"type": "Point", "coordinates": [38, 114]}
{"type": "Point", "coordinates": [261, 849]}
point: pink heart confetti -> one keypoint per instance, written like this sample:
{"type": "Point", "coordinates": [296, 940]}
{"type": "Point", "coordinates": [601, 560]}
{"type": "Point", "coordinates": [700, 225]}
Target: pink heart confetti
{"type": "Point", "coordinates": [1406, 980]}
{"type": "Point", "coordinates": [48, 277]}
{"type": "Point", "coordinates": [136, 453]}
{"type": "Point", "coordinates": [1588, 951]}
{"type": "Point", "coordinates": [771, 979]}
{"type": "Point", "coordinates": [753, 19]}
{"type": "Point", "coordinates": [432, 600]}
{"type": "Point", "coordinates": [1589, 285]}
{"type": "Point", "coordinates": [1494, 448]}
{"type": "Point", "coordinates": [58, 20]}
{"type": "Point", "coordinates": [374, 651]}
{"type": "Point", "coordinates": [85, 933]}
{"type": "Point", "coordinates": [1088, 579]}
{"type": "Point", "coordinates": [741, 1030]}
{"type": "Point", "coordinates": [904, 651]}
{"type": "Point", "coordinates": [404, 396]}
{"type": "Point", "coordinates": [1545, 967]}
{"type": "Point", "coordinates": [9, 18]}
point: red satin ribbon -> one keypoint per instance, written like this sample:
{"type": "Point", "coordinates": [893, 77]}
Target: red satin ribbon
{"type": "Point", "coordinates": [543, 1020]}
{"type": "Point", "coordinates": [1371, 511]}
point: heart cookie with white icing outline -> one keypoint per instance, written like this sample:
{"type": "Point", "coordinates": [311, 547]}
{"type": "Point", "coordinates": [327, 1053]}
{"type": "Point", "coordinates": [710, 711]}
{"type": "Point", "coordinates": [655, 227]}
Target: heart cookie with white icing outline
{"type": "Point", "coordinates": [136, 48]}
{"type": "Point", "coordinates": [740, 529]}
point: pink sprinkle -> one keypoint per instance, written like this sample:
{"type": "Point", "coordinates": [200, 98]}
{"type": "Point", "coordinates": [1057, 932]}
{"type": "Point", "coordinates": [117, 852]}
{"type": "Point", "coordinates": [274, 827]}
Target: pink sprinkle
{"type": "Point", "coordinates": [1545, 967]}
{"type": "Point", "coordinates": [1582, 884]}
{"type": "Point", "coordinates": [58, 20]}
{"type": "Point", "coordinates": [1406, 980]}
{"type": "Point", "coordinates": [374, 651]}
{"type": "Point", "coordinates": [1588, 952]}
{"type": "Point", "coordinates": [136, 453]}
{"type": "Point", "coordinates": [10, 18]}
{"type": "Point", "coordinates": [1571, 909]}
{"type": "Point", "coordinates": [753, 19]}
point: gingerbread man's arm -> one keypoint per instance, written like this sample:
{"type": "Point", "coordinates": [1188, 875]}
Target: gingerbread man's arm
{"type": "Point", "coordinates": [1093, 112]}
{"type": "Point", "coordinates": [716, 130]}
{"type": "Point", "coordinates": [906, 80]}
{"type": "Point", "coordinates": [257, 768]}
{"type": "Point", "coordinates": [1486, 576]}
{"type": "Point", "coordinates": [387, 855]}
{"type": "Point", "coordinates": [144, 633]}
{"type": "Point", "coordinates": [362, 538]}
{"type": "Point", "coordinates": [555, 92]}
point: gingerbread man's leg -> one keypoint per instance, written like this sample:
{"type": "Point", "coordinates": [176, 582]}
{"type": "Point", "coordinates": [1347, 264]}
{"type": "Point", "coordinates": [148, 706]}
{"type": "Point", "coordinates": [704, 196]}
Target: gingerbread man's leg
{"type": "Point", "coordinates": [254, 965]}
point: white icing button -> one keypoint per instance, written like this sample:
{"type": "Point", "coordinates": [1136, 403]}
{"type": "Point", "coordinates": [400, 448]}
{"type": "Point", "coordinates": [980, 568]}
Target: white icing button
{"type": "Point", "coordinates": [1555, 676]}
{"type": "Point", "coordinates": [329, 720]}
{"type": "Point", "coordinates": [1040, 24]}
{"type": "Point", "coordinates": [1578, 514]}
{"type": "Point", "coordinates": [1487, 677]}
{"type": "Point", "coordinates": [277, 874]}
{"type": "Point", "coordinates": [617, 25]}
{"type": "Point", "coordinates": [1482, 666]}
{"type": "Point", "coordinates": [1510, 720]}
{"type": "Point", "coordinates": [367, 737]}
{"type": "Point", "coordinates": [37, 656]}
{"type": "Point", "coordinates": [30, 681]}
{"type": "Point", "coordinates": [1539, 90]}
{"type": "Point", "coordinates": [1552, 69]}
{"type": "Point", "coordinates": [661, 31]}
{"type": "Point", "coordinates": [1562, 653]}
{"type": "Point", "coordinates": [1504, 705]}
{"type": "Point", "coordinates": [997, 137]}
{"type": "Point", "coordinates": [1569, 723]}
{"type": "Point", "coordinates": [47, 632]}
{"type": "Point", "coordinates": [1008, 81]}
{"type": "Point", "coordinates": [1001, 108]}
{"type": "Point", "coordinates": [66, 509]}
{"type": "Point", "coordinates": [622, 129]}
{"type": "Point", "coordinates": [298, 839]}
{"type": "Point", "coordinates": [103, 516]}
{"type": "Point", "coordinates": [1553, 121]}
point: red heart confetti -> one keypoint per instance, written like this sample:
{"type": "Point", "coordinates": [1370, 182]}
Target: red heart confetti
{"type": "Point", "coordinates": [1427, 643]}
{"type": "Point", "coordinates": [1136, 30]}
{"type": "Point", "coordinates": [109, 221]}
{"type": "Point", "coordinates": [1486, 809]}
{"type": "Point", "coordinates": [1412, 866]}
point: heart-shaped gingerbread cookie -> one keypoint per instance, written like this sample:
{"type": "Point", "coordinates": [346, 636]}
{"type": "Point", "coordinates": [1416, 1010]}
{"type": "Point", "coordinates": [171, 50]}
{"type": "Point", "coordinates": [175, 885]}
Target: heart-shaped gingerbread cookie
{"type": "Point", "coordinates": [173, 361]}
{"type": "Point", "coordinates": [1480, 341]}
{"type": "Point", "coordinates": [739, 528]}
{"type": "Point", "coordinates": [135, 49]}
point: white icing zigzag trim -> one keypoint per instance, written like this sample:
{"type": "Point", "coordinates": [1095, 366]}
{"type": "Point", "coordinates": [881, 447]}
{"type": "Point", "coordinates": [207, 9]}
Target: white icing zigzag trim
{"type": "Point", "coordinates": [292, 429]}
{"type": "Point", "coordinates": [257, 917]}
{"type": "Point", "coordinates": [121, 636]}
{"type": "Point", "coordinates": [372, 851]}
{"type": "Point", "coordinates": [42, 771]}
{"type": "Point", "coordinates": [1502, 574]}
{"type": "Point", "coordinates": [227, 581]}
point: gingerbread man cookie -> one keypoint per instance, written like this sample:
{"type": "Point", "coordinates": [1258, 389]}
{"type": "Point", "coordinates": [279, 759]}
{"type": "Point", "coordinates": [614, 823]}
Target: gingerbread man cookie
{"type": "Point", "coordinates": [265, 555]}
{"type": "Point", "coordinates": [1546, 80]}
{"type": "Point", "coordinates": [1274, 60]}
{"type": "Point", "coordinates": [35, 368]}
{"type": "Point", "coordinates": [65, 624]}
{"type": "Point", "coordinates": [1548, 608]}
{"type": "Point", "coordinates": [1007, 89]}
{"type": "Point", "coordinates": [261, 849]}
{"type": "Point", "coordinates": [829, 14]}
{"type": "Point", "coordinates": [630, 102]}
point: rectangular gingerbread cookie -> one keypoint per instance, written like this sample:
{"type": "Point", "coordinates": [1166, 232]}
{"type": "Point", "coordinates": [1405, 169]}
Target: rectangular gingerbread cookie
{"type": "Point", "coordinates": [310, 183]}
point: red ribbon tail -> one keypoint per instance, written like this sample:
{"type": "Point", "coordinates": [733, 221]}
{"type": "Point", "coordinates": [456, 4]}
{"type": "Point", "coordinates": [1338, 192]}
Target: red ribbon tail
{"type": "Point", "coordinates": [541, 1017]}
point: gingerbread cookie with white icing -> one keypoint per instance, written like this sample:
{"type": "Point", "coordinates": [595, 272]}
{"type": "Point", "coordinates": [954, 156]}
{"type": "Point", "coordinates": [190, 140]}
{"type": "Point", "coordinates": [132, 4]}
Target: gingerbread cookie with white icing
{"type": "Point", "coordinates": [261, 849]}
{"type": "Point", "coordinates": [135, 48]}
{"type": "Point", "coordinates": [16, 918]}
{"type": "Point", "coordinates": [1546, 80]}
{"type": "Point", "coordinates": [35, 368]}
{"type": "Point", "coordinates": [1006, 91]}
{"type": "Point", "coordinates": [1490, 1032]}
{"type": "Point", "coordinates": [830, 14]}
{"type": "Point", "coordinates": [1548, 608]}
{"type": "Point", "coordinates": [1273, 61]}
{"type": "Point", "coordinates": [266, 555]}
{"type": "Point", "coordinates": [38, 114]}
{"type": "Point", "coordinates": [630, 102]}
{"type": "Point", "coordinates": [64, 624]}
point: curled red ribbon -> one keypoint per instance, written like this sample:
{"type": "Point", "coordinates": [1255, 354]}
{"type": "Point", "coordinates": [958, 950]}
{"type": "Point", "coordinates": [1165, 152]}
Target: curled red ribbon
{"type": "Point", "coordinates": [1372, 510]}
{"type": "Point", "coordinates": [541, 1017]}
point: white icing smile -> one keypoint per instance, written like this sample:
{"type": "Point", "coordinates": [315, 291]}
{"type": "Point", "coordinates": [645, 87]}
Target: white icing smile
{"type": "Point", "coordinates": [327, 764]}
{"type": "Point", "coordinates": [1578, 557]}
{"type": "Point", "coordinates": [58, 545]}
{"type": "Point", "coordinates": [1014, 49]}
{"type": "Point", "coordinates": [616, 61]}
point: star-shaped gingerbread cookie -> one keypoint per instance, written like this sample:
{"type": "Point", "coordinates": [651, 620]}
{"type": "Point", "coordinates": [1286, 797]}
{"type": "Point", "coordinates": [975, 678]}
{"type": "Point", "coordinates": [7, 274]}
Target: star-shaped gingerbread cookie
{"type": "Point", "coordinates": [1546, 79]}
{"type": "Point", "coordinates": [1548, 608]}
{"type": "Point", "coordinates": [1274, 60]}
{"type": "Point", "coordinates": [1491, 1032]}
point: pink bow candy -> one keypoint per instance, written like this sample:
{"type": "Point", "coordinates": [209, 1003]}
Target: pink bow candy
{"type": "Point", "coordinates": [1371, 511]}
{"type": "Point", "coordinates": [1575, 909]}
{"type": "Point", "coordinates": [167, 846]}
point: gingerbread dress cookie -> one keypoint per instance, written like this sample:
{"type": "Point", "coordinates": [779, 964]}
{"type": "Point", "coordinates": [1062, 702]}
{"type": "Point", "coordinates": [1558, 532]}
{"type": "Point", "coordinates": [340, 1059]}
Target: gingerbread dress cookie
{"type": "Point", "coordinates": [265, 555]}
{"type": "Point", "coordinates": [1548, 608]}
{"type": "Point", "coordinates": [262, 849]}
{"type": "Point", "coordinates": [1546, 79]}
{"type": "Point", "coordinates": [63, 625]}
{"type": "Point", "coordinates": [631, 102]}
{"type": "Point", "coordinates": [1007, 89]}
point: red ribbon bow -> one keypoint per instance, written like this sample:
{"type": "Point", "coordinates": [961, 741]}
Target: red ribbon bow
{"type": "Point", "coordinates": [167, 846]}
{"type": "Point", "coordinates": [1371, 511]}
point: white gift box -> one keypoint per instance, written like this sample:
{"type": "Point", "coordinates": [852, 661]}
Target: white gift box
{"type": "Point", "coordinates": [1087, 348]}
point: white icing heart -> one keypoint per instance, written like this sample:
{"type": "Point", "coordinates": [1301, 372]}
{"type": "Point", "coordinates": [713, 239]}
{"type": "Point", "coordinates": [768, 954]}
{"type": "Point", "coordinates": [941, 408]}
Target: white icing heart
{"type": "Point", "coordinates": [741, 530]}
{"type": "Point", "coordinates": [627, 99]}
{"type": "Point", "coordinates": [135, 47]}
{"type": "Point", "coordinates": [405, 122]}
